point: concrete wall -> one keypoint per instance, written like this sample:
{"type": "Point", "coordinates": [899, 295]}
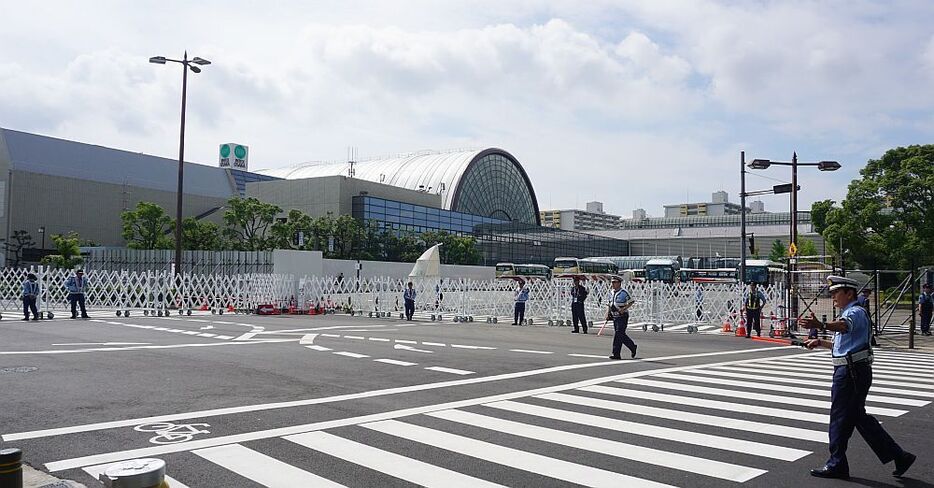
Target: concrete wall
{"type": "Point", "coordinates": [298, 263]}
{"type": "Point", "coordinates": [370, 269]}
{"type": "Point", "coordinates": [90, 208]}
{"type": "Point", "coordinates": [319, 196]}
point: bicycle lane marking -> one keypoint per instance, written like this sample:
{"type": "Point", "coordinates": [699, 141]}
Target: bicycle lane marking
{"type": "Point", "coordinates": [356, 396]}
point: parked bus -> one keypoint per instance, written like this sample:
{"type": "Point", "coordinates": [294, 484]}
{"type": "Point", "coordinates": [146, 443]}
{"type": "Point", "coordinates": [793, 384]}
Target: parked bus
{"type": "Point", "coordinates": [718, 275]}
{"type": "Point", "coordinates": [764, 272]}
{"type": "Point", "coordinates": [523, 271]}
{"type": "Point", "coordinates": [586, 268]}
{"type": "Point", "coordinates": [664, 270]}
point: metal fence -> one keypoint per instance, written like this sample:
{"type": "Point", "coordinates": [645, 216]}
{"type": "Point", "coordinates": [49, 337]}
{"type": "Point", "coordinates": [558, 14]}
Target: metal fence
{"type": "Point", "coordinates": [194, 262]}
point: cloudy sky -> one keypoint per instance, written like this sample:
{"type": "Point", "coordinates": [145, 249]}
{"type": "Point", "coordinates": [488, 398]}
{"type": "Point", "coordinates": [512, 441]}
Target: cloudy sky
{"type": "Point", "coordinates": [634, 103]}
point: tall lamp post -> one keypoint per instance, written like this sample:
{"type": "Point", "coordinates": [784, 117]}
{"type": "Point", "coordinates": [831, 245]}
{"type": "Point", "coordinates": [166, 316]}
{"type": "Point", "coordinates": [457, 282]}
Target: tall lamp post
{"type": "Point", "coordinates": [793, 245]}
{"type": "Point", "coordinates": [42, 234]}
{"type": "Point", "coordinates": [186, 65]}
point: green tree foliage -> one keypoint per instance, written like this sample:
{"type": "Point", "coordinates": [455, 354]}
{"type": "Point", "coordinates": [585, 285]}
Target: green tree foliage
{"type": "Point", "coordinates": [14, 247]}
{"type": "Point", "coordinates": [819, 213]}
{"type": "Point", "coordinates": [68, 252]}
{"type": "Point", "coordinates": [248, 222]}
{"type": "Point", "coordinates": [284, 232]}
{"type": "Point", "coordinates": [200, 235]}
{"type": "Point", "coordinates": [806, 247]}
{"type": "Point", "coordinates": [454, 249]}
{"type": "Point", "coordinates": [147, 227]}
{"type": "Point", "coordinates": [778, 251]}
{"type": "Point", "coordinates": [348, 237]}
{"type": "Point", "coordinates": [887, 218]}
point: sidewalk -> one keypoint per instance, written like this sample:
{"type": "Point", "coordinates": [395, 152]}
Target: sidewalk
{"type": "Point", "coordinates": [899, 342]}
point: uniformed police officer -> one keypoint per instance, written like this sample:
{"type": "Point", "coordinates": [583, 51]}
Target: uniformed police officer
{"type": "Point", "coordinates": [522, 296]}
{"type": "Point", "coordinates": [30, 293]}
{"type": "Point", "coordinates": [578, 296]}
{"type": "Point", "coordinates": [619, 303]}
{"type": "Point", "coordinates": [76, 286]}
{"type": "Point", "coordinates": [409, 297]}
{"type": "Point", "coordinates": [852, 377]}
{"type": "Point", "coordinates": [753, 300]}
{"type": "Point", "coordinates": [926, 308]}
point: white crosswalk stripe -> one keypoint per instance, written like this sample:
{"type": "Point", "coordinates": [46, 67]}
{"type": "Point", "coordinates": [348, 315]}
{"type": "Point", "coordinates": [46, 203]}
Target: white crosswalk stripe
{"type": "Point", "coordinates": [607, 434]}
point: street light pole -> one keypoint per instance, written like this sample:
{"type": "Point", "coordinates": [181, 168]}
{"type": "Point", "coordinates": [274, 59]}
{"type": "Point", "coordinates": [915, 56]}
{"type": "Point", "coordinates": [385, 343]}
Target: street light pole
{"type": "Point", "coordinates": [186, 65]}
{"type": "Point", "coordinates": [792, 261]}
{"type": "Point", "coordinates": [742, 217]}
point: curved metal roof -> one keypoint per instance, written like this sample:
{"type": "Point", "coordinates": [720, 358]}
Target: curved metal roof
{"type": "Point", "coordinates": [436, 172]}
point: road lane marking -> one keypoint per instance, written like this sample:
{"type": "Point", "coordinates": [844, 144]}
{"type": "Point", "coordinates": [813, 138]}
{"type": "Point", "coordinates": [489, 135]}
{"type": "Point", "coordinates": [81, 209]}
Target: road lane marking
{"type": "Point", "coordinates": [351, 354]}
{"type": "Point", "coordinates": [441, 369]}
{"type": "Point", "coordinates": [407, 389]}
{"type": "Point", "coordinates": [403, 347]}
{"type": "Point", "coordinates": [530, 351]}
{"type": "Point", "coordinates": [318, 348]}
{"type": "Point", "coordinates": [261, 468]}
{"type": "Point", "coordinates": [395, 362]}
{"type": "Point", "coordinates": [133, 348]}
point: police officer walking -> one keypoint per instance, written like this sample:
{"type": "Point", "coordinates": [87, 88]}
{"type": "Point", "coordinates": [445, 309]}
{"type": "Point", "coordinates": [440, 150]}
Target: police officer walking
{"type": "Point", "coordinates": [76, 286]}
{"type": "Point", "coordinates": [852, 377]}
{"type": "Point", "coordinates": [30, 293]}
{"type": "Point", "coordinates": [409, 297]}
{"type": "Point", "coordinates": [753, 300]}
{"type": "Point", "coordinates": [578, 295]}
{"type": "Point", "coordinates": [522, 296]}
{"type": "Point", "coordinates": [619, 303]}
{"type": "Point", "coordinates": [926, 308]}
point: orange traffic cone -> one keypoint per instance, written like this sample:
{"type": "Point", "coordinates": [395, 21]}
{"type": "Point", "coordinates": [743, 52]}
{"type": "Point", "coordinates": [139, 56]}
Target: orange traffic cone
{"type": "Point", "coordinates": [727, 327]}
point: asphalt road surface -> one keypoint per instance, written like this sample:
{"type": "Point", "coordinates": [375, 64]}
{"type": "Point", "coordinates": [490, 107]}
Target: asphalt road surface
{"type": "Point", "coordinates": [294, 401]}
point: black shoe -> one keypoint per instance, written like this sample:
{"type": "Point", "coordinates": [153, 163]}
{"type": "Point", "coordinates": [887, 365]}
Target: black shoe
{"type": "Point", "coordinates": [748, 337]}
{"type": "Point", "coordinates": [826, 472]}
{"type": "Point", "coordinates": [902, 464]}
{"type": "Point", "coordinates": [85, 317]}
{"type": "Point", "coordinates": [514, 323]}
{"type": "Point", "coordinates": [615, 357]}
{"type": "Point", "coordinates": [634, 347]}
{"type": "Point", "coordinates": [26, 319]}
{"type": "Point", "coordinates": [575, 332]}
{"type": "Point", "coordinates": [35, 319]}
{"type": "Point", "coordinates": [585, 331]}
{"type": "Point", "coordinates": [74, 316]}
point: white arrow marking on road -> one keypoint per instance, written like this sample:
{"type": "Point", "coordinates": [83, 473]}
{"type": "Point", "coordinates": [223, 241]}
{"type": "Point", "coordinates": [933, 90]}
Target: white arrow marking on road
{"type": "Point", "coordinates": [206, 327]}
{"type": "Point", "coordinates": [103, 344]}
{"type": "Point", "coordinates": [410, 348]}
{"type": "Point", "coordinates": [307, 339]}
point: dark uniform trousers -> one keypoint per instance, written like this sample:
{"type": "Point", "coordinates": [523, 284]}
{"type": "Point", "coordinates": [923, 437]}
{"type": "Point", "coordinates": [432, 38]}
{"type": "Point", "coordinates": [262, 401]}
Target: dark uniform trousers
{"type": "Point", "coordinates": [619, 334]}
{"type": "Point", "coordinates": [29, 303]}
{"type": "Point", "coordinates": [753, 320]}
{"type": "Point", "coordinates": [577, 315]}
{"type": "Point", "coordinates": [848, 411]}
{"type": "Point", "coordinates": [519, 313]}
{"type": "Point", "coordinates": [77, 299]}
{"type": "Point", "coordinates": [409, 308]}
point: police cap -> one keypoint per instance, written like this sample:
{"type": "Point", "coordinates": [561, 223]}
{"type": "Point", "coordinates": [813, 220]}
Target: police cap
{"type": "Point", "coordinates": [837, 282]}
{"type": "Point", "coordinates": [616, 278]}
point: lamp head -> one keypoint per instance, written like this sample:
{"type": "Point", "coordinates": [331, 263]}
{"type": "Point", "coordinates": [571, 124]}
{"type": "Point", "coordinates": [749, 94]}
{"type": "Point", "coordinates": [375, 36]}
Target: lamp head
{"type": "Point", "coordinates": [760, 163]}
{"type": "Point", "coordinates": [194, 69]}
{"type": "Point", "coordinates": [157, 59]}
{"type": "Point", "coordinates": [828, 165]}
{"type": "Point", "coordinates": [200, 61]}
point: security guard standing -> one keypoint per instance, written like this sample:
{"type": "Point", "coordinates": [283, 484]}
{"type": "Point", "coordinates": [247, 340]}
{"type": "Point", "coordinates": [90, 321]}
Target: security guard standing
{"type": "Point", "coordinates": [409, 298]}
{"type": "Point", "coordinates": [578, 295]}
{"type": "Point", "coordinates": [926, 308]}
{"type": "Point", "coordinates": [619, 303]}
{"type": "Point", "coordinates": [753, 300]}
{"type": "Point", "coordinates": [30, 293]}
{"type": "Point", "coordinates": [522, 296]}
{"type": "Point", "coordinates": [76, 286]}
{"type": "Point", "coordinates": [852, 377]}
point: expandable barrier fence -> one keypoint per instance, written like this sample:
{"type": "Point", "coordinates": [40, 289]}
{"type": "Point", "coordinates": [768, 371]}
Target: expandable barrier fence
{"type": "Point", "coordinates": [161, 293]}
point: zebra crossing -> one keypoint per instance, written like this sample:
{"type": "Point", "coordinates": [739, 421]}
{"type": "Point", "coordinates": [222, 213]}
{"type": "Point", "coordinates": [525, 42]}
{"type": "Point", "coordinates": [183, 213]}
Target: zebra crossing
{"type": "Point", "coordinates": [723, 422]}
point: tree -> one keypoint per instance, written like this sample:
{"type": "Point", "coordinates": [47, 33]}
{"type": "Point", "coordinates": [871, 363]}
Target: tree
{"type": "Point", "coordinates": [284, 233]}
{"type": "Point", "coordinates": [201, 235]}
{"type": "Point", "coordinates": [454, 249]}
{"type": "Point", "coordinates": [68, 252]}
{"type": "Point", "coordinates": [348, 236]}
{"type": "Point", "coordinates": [887, 217]}
{"type": "Point", "coordinates": [819, 213]}
{"type": "Point", "coordinates": [806, 247]}
{"type": "Point", "coordinates": [248, 221]}
{"type": "Point", "coordinates": [14, 247]}
{"type": "Point", "coordinates": [147, 227]}
{"type": "Point", "coordinates": [778, 251]}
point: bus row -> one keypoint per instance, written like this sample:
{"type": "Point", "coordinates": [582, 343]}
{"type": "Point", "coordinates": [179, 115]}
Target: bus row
{"type": "Point", "coordinates": [663, 269]}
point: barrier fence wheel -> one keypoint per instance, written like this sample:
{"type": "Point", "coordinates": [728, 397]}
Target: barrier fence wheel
{"type": "Point", "coordinates": [550, 323]}
{"type": "Point", "coordinates": [470, 318]}
{"type": "Point", "coordinates": [189, 312]}
{"type": "Point", "coordinates": [529, 322]}
{"type": "Point", "coordinates": [489, 320]}
{"type": "Point", "coordinates": [645, 327]}
{"type": "Point", "coordinates": [119, 313]}
{"type": "Point", "coordinates": [220, 311]}
{"type": "Point", "coordinates": [495, 320]}
{"type": "Point", "coordinates": [654, 327]}
{"type": "Point", "coordinates": [456, 319]}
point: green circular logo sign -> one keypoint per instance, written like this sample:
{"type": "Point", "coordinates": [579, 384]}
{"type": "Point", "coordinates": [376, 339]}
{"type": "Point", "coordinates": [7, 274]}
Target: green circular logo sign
{"type": "Point", "coordinates": [225, 151]}
{"type": "Point", "coordinates": [240, 152]}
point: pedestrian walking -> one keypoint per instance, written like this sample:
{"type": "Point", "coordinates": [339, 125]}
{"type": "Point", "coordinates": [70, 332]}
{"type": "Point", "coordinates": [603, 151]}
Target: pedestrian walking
{"type": "Point", "coordinates": [30, 294]}
{"type": "Point", "coordinates": [578, 296]}
{"type": "Point", "coordinates": [409, 297]}
{"type": "Point", "coordinates": [699, 301]}
{"type": "Point", "coordinates": [618, 311]}
{"type": "Point", "coordinates": [926, 308]}
{"type": "Point", "coordinates": [522, 296]}
{"type": "Point", "coordinates": [753, 300]}
{"type": "Point", "coordinates": [852, 378]}
{"type": "Point", "coordinates": [77, 286]}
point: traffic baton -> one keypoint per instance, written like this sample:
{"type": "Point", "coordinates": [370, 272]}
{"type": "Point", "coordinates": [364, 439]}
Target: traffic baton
{"type": "Point", "coordinates": [603, 327]}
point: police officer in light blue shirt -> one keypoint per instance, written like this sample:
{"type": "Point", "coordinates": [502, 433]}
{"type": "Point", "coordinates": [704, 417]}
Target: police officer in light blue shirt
{"type": "Point", "coordinates": [619, 303]}
{"type": "Point", "coordinates": [77, 286]}
{"type": "Point", "coordinates": [522, 296]}
{"type": "Point", "coordinates": [30, 294]}
{"type": "Point", "coordinates": [409, 297]}
{"type": "Point", "coordinates": [852, 377]}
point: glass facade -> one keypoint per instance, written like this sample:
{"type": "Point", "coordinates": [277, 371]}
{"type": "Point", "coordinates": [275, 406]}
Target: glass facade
{"type": "Point", "coordinates": [494, 186]}
{"type": "Point", "coordinates": [777, 218]}
{"type": "Point", "coordinates": [498, 240]}
{"type": "Point", "coordinates": [241, 178]}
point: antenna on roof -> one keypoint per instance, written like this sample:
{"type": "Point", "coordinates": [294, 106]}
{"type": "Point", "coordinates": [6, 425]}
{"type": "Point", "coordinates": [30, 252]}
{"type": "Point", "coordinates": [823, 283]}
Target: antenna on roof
{"type": "Point", "coordinates": [352, 159]}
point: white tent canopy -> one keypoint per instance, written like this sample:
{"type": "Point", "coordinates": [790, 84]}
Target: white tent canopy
{"type": "Point", "coordinates": [428, 264]}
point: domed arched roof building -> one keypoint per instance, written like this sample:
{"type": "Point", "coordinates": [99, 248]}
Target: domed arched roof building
{"type": "Point", "coordinates": [488, 182]}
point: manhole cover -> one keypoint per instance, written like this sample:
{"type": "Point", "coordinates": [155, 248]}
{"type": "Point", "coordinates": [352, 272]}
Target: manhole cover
{"type": "Point", "coordinates": [18, 369]}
